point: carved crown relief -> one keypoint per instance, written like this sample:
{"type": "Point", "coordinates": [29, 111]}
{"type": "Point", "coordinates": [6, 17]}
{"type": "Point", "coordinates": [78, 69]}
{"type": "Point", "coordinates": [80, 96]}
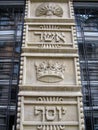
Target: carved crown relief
{"type": "Point", "coordinates": [50, 72]}
{"type": "Point", "coordinates": [49, 9]}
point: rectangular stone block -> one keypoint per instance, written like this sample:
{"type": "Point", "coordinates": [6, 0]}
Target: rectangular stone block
{"type": "Point", "coordinates": [49, 112]}
{"type": "Point", "coordinates": [49, 9]}
{"type": "Point", "coordinates": [49, 34]}
{"type": "Point", "coordinates": [41, 71]}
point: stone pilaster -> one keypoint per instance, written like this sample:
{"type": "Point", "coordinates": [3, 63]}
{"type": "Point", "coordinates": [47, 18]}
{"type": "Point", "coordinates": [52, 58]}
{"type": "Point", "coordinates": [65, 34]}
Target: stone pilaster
{"type": "Point", "coordinates": [50, 86]}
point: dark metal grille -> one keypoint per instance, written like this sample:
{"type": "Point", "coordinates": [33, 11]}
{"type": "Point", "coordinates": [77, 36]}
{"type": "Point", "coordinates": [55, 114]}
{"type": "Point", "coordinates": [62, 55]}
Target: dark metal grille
{"type": "Point", "coordinates": [11, 24]}
{"type": "Point", "coordinates": [87, 34]}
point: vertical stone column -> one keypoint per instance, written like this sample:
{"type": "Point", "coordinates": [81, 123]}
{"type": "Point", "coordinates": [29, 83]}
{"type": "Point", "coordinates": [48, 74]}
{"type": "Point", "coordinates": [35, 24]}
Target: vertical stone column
{"type": "Point", "coordinates": [50, 88]}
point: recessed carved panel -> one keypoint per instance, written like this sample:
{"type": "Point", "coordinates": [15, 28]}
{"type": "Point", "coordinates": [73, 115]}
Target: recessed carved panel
{"type": "Point", "coordinates": [50, 112]}
{"type": "Point", "coordinates": [41, 71]}
{"type": "Point", "coordinates": [49, 9]}
{"type": "Point", "coordinates": [54, 35]}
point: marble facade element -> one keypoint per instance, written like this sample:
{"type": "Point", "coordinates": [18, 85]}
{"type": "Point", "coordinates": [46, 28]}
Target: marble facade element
{"type": "Point", "coordinates": [50, 85]}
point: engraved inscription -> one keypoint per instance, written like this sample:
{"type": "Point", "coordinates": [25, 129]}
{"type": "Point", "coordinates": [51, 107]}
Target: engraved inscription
{"type": "Point", "coordinates": [51, 36]}
{"type": "Point", "coordinates": [49, 113]}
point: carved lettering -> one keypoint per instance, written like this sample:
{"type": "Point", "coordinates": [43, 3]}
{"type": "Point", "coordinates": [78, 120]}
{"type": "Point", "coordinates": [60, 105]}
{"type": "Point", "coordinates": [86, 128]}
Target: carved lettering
{"type": "Point", "coordinates": [40, 109]}
{"type": "Point", "coordinates": [60, 36]}
{"type": "Point", "coordinates": [48, 36]}
{"type": "Point", "coordinates": [49, 113]}
{"type": "Point", "coordinates": [51, 36]}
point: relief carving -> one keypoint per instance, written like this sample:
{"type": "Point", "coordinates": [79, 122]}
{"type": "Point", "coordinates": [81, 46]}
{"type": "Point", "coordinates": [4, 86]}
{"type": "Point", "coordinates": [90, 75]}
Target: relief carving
{"type": "Point", "coordinates": [50, 46]}
{"type": "Point", "coordinates": [50, 27]}
{"type": "Point", "coordinates": [49, 9]}
{"type": "Point", "coordinates": [51, 36]}
{"type": "Point", "coordinates": [50, 72]}
{"type": "Point", "coordinates": [50, 99]}
{"type": "Point", "coordinates": [49, 113]}
{"type": "Point", "coordinates": [51, 127]}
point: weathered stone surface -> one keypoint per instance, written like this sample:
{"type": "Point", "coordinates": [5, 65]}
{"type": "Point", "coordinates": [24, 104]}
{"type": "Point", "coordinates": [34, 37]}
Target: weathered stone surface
{"type": "Point", "coordinates": [39, 75]}
{"type": "Point", "coordinates": [50, 85]}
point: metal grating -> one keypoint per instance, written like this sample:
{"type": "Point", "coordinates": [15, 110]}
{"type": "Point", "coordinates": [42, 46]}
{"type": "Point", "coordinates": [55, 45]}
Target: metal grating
{"type": "Point", "coordinates": [87, 34]}
{"type": "Point", "coordinates": [11, 24]}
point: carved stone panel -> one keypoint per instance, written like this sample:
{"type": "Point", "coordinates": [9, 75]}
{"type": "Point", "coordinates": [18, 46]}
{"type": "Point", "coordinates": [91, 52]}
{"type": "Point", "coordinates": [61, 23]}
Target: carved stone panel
{"type": "Point", "coordinates": [50, 113]}
{"type": "Point", "coordinates": [49, 86]}
{"type": "Point", "coordinates": [49, 9]}
{"type": "Point", "coordinates": [43, 9]}
{"type": "Point", "coordinates": [49, 34]}
{"type": "Point", "coordinates": [49, 72]}
{"type": "Point", "coordinates": [46, 71]}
